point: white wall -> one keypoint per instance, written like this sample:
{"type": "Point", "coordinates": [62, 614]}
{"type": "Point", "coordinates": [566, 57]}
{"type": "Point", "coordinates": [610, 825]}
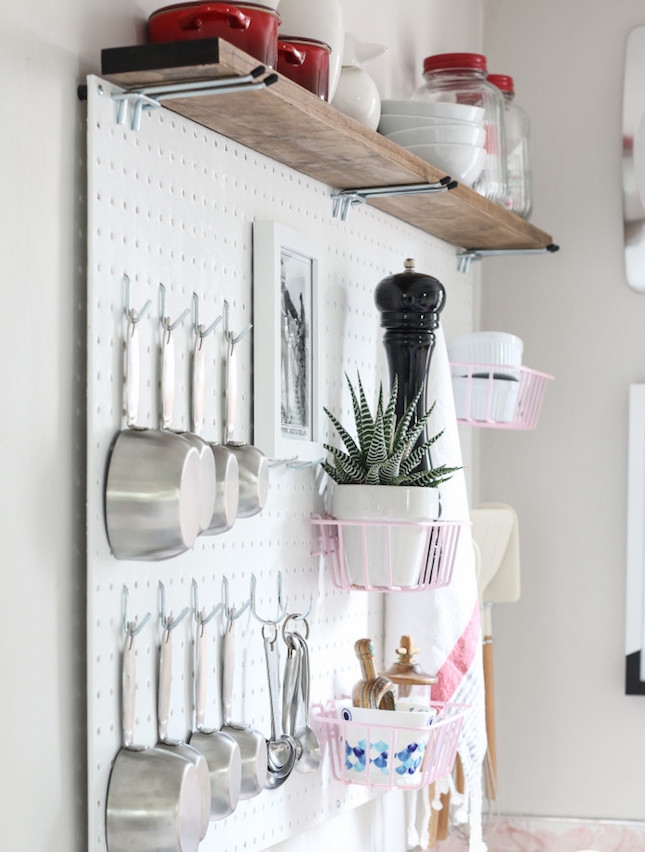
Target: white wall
{"type": "Point", "coordinates": [46, 49]}
{"type": "Point", "coordinates": [570, 742]}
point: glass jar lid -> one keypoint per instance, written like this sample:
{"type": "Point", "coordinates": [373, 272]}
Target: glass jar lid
{"type": "Point", "coordinates": [503, 82]}
{"type": "Point", "coordinates": [446, 61]}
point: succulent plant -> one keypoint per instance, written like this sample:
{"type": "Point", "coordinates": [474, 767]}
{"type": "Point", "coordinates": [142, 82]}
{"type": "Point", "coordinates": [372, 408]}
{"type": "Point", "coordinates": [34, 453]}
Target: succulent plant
{"type": "Point", "coordinates": [385, 450]}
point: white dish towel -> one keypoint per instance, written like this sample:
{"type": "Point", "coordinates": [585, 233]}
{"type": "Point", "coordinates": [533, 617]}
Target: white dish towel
{"type": "Point", "coordinates": [445, 623]}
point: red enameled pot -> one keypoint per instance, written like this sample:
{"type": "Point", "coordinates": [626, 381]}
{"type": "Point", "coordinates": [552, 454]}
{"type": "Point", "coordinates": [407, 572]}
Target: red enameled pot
{"type": "Point", "coordinates": [306, 62]}
{"type": "Point", "coordinates": [249, 26]}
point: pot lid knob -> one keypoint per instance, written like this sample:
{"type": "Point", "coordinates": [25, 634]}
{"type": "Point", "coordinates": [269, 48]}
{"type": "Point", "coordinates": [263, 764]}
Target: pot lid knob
{"type": "Point", "coordinates": [405, 670]}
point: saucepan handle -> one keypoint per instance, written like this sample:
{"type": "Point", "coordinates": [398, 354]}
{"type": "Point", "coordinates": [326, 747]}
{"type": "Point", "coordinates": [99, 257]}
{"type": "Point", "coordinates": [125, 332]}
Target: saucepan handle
{"type": "Point", "coordinates": [128, 683]}
{"type": "Point", "coordinates": [200, 677]}
{"type": "Point", "coordinates": [199, 369]}
{"type": "Point", "coordinates": [291, 54]}
{"type": "Point", "coordinates": [235, 17]}
{"type": "Point", "coordinates": [165, 676]}
{"type": "Point", "coordinates": [132, 375]}
{"type": "Point", "coordinates": [228, 663]}
{"type": "Point", "coordinates": [167, 378]}
{"type": "Point", "coordinates": [231, 391]}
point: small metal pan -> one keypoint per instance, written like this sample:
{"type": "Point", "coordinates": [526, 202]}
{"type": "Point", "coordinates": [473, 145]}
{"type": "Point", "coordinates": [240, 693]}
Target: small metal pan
{"type": "Point", "coordinates": [153, 797]}
{"type": "Point", "coordinates": [181, 749]}
{"type": "Point", "coordinates": [253, 747]}
{"type": "Point", "coordinates": [152, 490]}
{"type": "Point", "coordinates": [227, 481]}
{"type": "Point", "coordinates": [253, 464]}
{"type": "Point", "coordinates": [222, 753]}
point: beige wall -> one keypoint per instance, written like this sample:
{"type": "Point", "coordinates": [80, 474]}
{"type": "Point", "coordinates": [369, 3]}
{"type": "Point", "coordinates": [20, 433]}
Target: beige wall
{"type": "Point", "coordinates": [46, 49]}
{"type": "Point", "coordinates": [570, 742]}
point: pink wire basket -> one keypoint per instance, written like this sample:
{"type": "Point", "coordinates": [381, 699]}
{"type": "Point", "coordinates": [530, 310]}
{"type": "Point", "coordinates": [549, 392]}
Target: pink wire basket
{"type": "Point", "coordinates": [394, 556]}
{"type": "Point", "coordinates": [497, 396]}
{"type": "Point", "coordinates": [387, 756]}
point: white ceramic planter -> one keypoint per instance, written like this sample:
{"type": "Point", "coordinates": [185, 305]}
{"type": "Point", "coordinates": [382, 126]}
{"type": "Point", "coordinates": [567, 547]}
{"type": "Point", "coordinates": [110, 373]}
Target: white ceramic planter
{"type": "Point", "coordinates": [369, 548]}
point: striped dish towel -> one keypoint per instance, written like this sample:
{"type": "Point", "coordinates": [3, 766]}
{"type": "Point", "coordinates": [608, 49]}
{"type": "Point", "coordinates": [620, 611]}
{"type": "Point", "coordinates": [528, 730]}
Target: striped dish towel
{"type": "Point", "coordinates": [444, 623]}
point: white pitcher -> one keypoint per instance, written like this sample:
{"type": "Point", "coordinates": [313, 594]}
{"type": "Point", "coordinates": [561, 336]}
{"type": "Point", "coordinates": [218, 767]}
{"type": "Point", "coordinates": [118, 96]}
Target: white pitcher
{"type": "Point", "coordinates": [357, 94]}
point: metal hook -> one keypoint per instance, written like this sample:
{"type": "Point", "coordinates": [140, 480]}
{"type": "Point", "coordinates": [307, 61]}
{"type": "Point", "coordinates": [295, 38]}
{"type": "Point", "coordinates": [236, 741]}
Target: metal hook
{"type": "Point", "coordinates": [130, 314]}
{"type": "Point", "coordinates": [131, 627]}
{"type": "Point", "coordinates": [200, 330]}
{"type": "Point", "coordinates": [232, 614]}
{"type": "Point", "coordinates": [228, 335]}
{"type": "Point", "coordinates": [169, 623]}
{"type": "Point", "coordinates": [200, 618]}
{"type": "Point", "coordinates": [281, 462]}
{"type": "Point", "coordinates": [300, 465]}
{"type": "Point", "coordinates": [282, 606]}
{"type": "Point", "coordinates": [165, 320]}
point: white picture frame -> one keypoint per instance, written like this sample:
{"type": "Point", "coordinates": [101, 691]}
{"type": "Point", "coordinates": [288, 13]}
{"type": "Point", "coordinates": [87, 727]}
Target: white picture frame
{"type": "Point", "coordinates": [286, 323]}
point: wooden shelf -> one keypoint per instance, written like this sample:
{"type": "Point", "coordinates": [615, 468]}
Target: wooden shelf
{"type": "Point", "coordinates": [289, 124]}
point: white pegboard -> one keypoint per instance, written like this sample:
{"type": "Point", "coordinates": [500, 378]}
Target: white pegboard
{"type": "Point", "coordinates": [174, 203]}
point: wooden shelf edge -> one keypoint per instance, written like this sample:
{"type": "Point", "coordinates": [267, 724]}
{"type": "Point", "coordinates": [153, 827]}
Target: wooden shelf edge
{"type": "Point", "coordinates": [290, 125]}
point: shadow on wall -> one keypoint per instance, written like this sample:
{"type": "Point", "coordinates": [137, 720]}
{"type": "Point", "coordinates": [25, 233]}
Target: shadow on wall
{"type": "Point", "coordinates": [412, 30]}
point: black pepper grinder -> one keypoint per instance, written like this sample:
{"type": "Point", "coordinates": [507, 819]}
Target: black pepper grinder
{"type": "Point", "coordinates": [410, 303]}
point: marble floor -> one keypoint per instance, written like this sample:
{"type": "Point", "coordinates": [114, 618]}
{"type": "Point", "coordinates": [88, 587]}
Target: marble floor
{"type": "Point", "coordinates": [533, 834]}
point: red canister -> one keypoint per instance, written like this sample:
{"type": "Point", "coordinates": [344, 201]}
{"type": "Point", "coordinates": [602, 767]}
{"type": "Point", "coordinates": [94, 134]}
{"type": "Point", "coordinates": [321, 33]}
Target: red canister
{"type": "Point", "coordinates": [249, 26]}
{"type": "Point", "coordinates": [306, 62]}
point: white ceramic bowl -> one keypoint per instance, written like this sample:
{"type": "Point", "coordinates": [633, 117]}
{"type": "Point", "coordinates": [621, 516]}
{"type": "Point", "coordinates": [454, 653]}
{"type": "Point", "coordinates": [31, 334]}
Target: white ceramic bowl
{"type": "Point", "coordinates": [462, 162]}
{"type": "Point", "coordinates": [383, 745]}
{"type": "Point", "coordinates": [457, 112]}
{"type": "Point", "coordinates": [464, 134]}
{"type": "Point", "coordinates": [403, 718]}
{"type": "Point", "coordinates": [487, 347]}
{"type": "Point", "coordinates": [390, 123]}
{"type": "Point", "coordinates": [480, 398]}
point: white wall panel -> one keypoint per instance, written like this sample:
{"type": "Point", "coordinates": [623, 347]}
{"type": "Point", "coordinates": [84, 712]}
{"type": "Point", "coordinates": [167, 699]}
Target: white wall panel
{"type": "Point", "coordinates": [175, 203]}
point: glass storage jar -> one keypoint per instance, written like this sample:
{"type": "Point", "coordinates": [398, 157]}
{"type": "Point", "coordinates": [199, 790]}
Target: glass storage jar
{"type": "Point", "coordinates": [519, 173]}
{"type": "Point", "coordinates": [460, 78]}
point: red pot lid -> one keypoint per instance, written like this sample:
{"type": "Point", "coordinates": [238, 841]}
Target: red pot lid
{"type": "Point", "coordinates": [313, 42]}
{"type": "Point", "coordinates": [441, 61]}
{"type": "Point", "coordinates": [178, 7]}
{"type": "Point", "coordinates": [503, 82]}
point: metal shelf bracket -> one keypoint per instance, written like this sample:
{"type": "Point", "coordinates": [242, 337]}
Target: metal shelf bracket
{"type": "Point", "coordinates": [465, 258]}
{"type": "Point", "coordinates": [151, 97]}
{"type": "Point", "coordinates": [342, 201]}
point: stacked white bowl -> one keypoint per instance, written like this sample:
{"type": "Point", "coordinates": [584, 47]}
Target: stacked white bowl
{"type": "Point", "coordinates": [450, 136]}
{"type": "Point", "coordinates": [485, 368]}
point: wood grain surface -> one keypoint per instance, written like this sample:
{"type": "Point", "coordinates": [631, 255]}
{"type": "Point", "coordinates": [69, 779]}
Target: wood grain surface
{"type": "Point", "coordinates": [291, 125]}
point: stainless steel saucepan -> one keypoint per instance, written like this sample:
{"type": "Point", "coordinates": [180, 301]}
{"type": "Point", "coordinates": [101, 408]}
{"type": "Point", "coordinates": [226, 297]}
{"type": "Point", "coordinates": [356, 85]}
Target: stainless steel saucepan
{"type": "Point", "coordinates": [152, 490]}
{"type": "Point", "coordinates": [227, 483]}
{"type": "Point", "coordinates": [208, 481]}
{"type": "Point", "coordinates": [221, 751]}
{"type": "Point", "coordinates": [181, 749]}
{"type": "Point", "coordinates": [253, 464]}
{"type": "Point", "coordinates": [252, 744]}
{"type": "Point", "coordinates": [154, 796]}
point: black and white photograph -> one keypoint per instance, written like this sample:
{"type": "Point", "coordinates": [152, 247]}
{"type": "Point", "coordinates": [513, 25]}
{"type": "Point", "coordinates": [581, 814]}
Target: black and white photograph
{"type": "Point", "coordinates": [286, 318]}
{"type": "Point", "coordinates": [295, 345]}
